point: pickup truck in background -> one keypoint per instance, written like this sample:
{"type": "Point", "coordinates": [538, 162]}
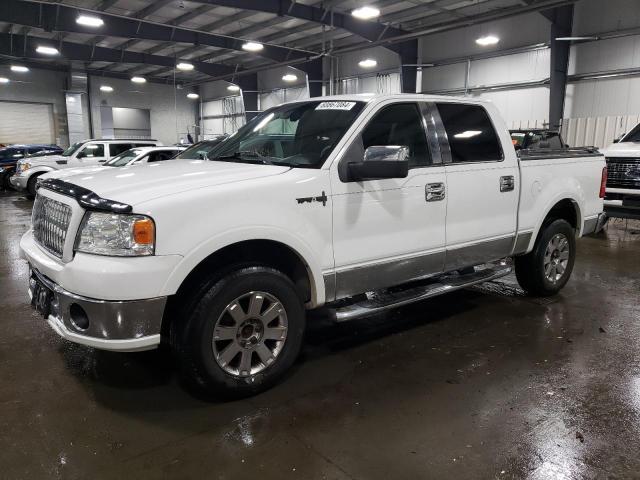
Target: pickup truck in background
{"type": "Point", "coordinates": [362, 205]}
{"type": "Point", "coordinates": [623, 184]}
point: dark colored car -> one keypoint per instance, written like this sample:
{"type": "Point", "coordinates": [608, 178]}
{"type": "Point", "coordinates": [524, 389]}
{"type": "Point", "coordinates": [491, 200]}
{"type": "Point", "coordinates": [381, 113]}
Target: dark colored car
{"type": "Point", "coordinates": [10, 155]}
{"type": "Point", "coordinates": [536, 138]}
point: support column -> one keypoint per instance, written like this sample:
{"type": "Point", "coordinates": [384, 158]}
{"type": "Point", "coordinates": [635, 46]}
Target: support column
{"type": "Point", "coordinates": [561, 26]}
{"type": "Point", "coordinates": [313, 69]}
{"type": "Point", "coordinates": [408, 52]}
{"type": "Point", "coordinates": [249, 86]}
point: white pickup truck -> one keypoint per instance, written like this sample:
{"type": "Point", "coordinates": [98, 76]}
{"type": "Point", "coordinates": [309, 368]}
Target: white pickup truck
{"type": "Point", "coordinates": [623, 184]}
{"type": "Point", "coordinates": [351, 203]}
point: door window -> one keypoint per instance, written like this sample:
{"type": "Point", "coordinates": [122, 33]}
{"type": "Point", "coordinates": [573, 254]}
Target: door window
{"type": "Point", "coordinates": [160, 156]}
{"type": "Point", "coordinates": [118, 148]}
{"type": "Point", "coordinates": [92, 150]}
{"type": "Point", "coordinates": [471, 135]}
{"type": "Point", "coordinates": [399, 125]}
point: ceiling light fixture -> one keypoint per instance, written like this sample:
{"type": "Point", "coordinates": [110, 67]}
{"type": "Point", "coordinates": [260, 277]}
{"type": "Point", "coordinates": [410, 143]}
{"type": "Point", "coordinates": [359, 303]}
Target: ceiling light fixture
{"type": "Point", "coordinates": [233, 88]}
{"type": "Point", "coordinates": [366, 13]}
{"type": "Point", "coordinates": [138, 80]}
{"type": "Point", "coordinates": [4, 80]}
{"type": "Point", "coordinates": [576, 39]}
{"type": "Point", "coordinates": [106, 88]}
{"type": "Point", "coordinates": [252, 46]}
{"type": "Point", "coordinates": [89, 21]}
{"type": "Point", "coordinates": [19, 68]}
{"type": "Point", "coordinates": [487, 40]}
{"type": "Point", "coordinates": [185, 66]}
{"type": "Point", "coordinates": [43, 49]}
{"type": "Point", "coordinates": [368, 63]}
{"type": "Point", "coordinates": [290, 77]}
{"type": "Point", "coordinates": [193, 96]}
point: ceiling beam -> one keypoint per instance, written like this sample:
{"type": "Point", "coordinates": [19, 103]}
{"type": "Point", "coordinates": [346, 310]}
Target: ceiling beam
{"type": "Point", "coordinates": [14, 46]}
{"type": "Point", "coordinates": [58, 17]}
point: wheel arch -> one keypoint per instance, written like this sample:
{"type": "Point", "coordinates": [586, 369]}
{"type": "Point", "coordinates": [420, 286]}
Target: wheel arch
{"type": "Point", "coordinates": [564, 207]}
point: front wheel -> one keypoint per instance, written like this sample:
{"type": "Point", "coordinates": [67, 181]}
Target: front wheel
{"type": "Point", "coordinates": [547, 268]}
{"type": "Point", "coordinates": [243, 333]}
{"type": "Point", "coordinates": [31, 187]}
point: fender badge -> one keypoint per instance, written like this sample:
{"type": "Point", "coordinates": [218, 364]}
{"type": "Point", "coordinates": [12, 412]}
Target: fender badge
{"type": "Point", "coordinates": [322, 198]}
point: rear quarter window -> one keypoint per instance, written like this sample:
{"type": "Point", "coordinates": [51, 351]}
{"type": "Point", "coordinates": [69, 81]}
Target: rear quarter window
{"type": "Point", "coordinates": [471, 134]}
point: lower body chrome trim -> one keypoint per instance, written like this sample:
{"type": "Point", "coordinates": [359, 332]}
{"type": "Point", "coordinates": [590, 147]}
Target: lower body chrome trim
{"type": "Point", "coordinates": [352, 281]}
{"type": "Point", "coordinates": [479, 252]}
{"type": "Point", "coordinates": [522, 242]}
{"type": "Point", "coordinates": [113, 325]}
{"type": "Point", "coordinates": [594, 225]}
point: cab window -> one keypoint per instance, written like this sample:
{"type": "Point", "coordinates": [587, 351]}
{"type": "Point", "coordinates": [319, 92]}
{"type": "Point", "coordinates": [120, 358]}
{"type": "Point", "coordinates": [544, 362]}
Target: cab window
{"type": "Point", "coordinates": [92, 150]}
{"type": "Point", "coordinates": [118, 148]}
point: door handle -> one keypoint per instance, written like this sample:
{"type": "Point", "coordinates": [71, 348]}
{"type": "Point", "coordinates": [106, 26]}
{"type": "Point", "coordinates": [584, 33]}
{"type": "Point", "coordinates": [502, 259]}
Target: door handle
{"type": "Point", "coordinates": [435, 192]}
{"type": "Point", "coordinates": [507, 183]}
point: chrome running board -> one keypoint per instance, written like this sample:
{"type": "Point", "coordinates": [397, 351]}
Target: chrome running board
{"type": "Point", "coordinates": [380, 301]}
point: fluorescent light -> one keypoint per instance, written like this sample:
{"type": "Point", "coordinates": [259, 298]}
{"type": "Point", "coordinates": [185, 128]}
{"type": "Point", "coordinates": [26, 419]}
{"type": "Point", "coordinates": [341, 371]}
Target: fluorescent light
{"type": "Point", "coordinates": [185, 66]}
{"type": "Point", "coordinates": [487, 40]}
{"type": "Point", "coordinates": [233, 88]}
{"type": "Point", "coordinates": [89, 21]}
{"type": "Point", "coordinates": [47, 50]}
{"type": "Point", "coordinates": [468, 134]}
{"type": "Point", "coordinates": [19, 68]}
{"type": "Point", "coordinates": [4, 80]}
{"type": "Point", "coordinates": [263, 122]}
{"type": "Point", "coordinates": [106, 88]}
{"type": "Point", "coordinates": [252, 46]}
{"type": "Point", "coordinates": [138, 80]}
{"type": "Point", "coordinates": [193, 95]}
{"type": "Point", "coordinates": [366, 13]}
{"type": "Point", "coordinates": [290, 77]}
{"type": "Point", "coordinates": [368, 63]}
{"type": "Point", "coordinates": [575, 39]}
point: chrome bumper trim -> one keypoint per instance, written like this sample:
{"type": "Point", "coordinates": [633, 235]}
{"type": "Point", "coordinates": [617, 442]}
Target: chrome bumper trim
{"type": "Point", "coordinates": [125, 326]}
{"type": "Point", "coordinates": [594, 225]}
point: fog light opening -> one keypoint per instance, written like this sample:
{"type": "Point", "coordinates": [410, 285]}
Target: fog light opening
{"type": "Point", "coordinates": [79, 317]}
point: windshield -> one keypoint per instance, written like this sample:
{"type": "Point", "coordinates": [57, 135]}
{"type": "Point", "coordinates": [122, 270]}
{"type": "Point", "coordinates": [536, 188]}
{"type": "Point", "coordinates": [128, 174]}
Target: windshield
{"type": "Point", "coordinates": [124, 158]}
{"type": "Point", "coordinates": [295, 135]}
{"type": "Point", "coordinates": [633, 135]}
{"type": "Point", "coordinates": [72, 149]}
{"type": "Point", "coordinates": [201, 150]}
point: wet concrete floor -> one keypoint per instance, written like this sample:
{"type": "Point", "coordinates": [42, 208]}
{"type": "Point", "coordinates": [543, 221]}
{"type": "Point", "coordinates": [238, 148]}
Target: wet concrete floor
{"type": "Point", "coordinates": [483, 383]}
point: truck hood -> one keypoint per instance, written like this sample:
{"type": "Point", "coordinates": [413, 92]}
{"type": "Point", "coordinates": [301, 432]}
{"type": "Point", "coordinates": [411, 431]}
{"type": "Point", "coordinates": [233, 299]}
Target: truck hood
{"type": "Point", "coordinates": [68, 172]}
{"type": "Point", "coordinates": [141, 183]}
{"type": "Point", "coordinates": [49, 160]}
{"type": "Point", "coordinates": [623, 149]}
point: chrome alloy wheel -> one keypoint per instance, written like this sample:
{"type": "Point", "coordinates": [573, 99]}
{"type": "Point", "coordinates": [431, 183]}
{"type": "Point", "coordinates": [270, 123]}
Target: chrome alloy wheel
{"type": "Point", "coordinates": [250, 334]}
{"type": "Point", "coordinates": [556, 258]}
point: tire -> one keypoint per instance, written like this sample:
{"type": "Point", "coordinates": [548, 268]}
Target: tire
{"type": "Point", "coordinates": [31, 187]}
{"type": "Point", "coordinates": [547, 268]}
{"type": "Point", "coordinates": [4, 181]}
{"type": "Point", "coordinates": [219, 367]}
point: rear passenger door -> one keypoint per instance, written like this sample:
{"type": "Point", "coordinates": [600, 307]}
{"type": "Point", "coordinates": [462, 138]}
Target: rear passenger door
{"type": "Point", "coordinates": [482, 187]}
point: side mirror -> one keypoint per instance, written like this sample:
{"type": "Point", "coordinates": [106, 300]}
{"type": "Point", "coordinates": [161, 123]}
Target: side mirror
{"type": "Point", "coordinates": [381, 162]}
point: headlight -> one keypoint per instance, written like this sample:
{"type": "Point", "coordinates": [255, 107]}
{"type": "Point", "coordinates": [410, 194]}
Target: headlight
{"type": "Point", "coordinates": [23, 166]}
{"type": "Point", "coordinates": [116, 235]}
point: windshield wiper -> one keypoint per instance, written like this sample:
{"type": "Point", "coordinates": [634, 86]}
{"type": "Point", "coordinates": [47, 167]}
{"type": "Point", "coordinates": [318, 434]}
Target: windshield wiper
{"type": "Point", "coordinates": [242, 156]}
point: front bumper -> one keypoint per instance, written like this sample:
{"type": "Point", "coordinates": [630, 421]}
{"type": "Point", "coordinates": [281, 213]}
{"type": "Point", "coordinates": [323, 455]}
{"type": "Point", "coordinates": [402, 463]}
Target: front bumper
{"type": "Point", "coordinates": [622, 203]}
{"type": "Point", "coordinates": [125, 326]}
{"type": "Point", "coordinates": [19, 182]}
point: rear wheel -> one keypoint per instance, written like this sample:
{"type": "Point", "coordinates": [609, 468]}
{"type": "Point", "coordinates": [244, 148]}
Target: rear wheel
{"type": "Point", "coordinates": [546, 270]}
{"type": "Point", "coordinates": [5, 184]}
{"type": "Point", "coordinates": [244, 331]}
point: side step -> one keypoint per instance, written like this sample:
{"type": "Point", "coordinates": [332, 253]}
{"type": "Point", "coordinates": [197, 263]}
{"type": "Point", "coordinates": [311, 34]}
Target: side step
{"type": "Point", "coordinates": [380, 301]}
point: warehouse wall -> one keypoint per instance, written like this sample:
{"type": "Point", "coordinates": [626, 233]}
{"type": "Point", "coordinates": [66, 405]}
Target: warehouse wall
{"type": "Point", "coordinates": [168, 123]}
{"type": "Point", "coordinates": [39, 86]}
{"type": "Point", "coordinates": [599, 110]}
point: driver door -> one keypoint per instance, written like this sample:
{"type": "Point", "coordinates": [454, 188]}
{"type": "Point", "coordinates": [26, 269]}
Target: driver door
{"type": "Point", "coordinates": [389, 231]}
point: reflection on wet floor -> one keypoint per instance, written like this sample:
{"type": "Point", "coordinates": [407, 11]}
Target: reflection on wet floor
{"type": "Point", "coordinates": [482, 383]}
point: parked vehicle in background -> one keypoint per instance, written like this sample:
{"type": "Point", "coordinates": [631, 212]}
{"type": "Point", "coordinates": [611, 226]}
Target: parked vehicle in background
{"type": "Point", "coordinates": [623, 183]}
{"type": "Point", "coordinates": [201, 150]}
{"type": "Point", "coordinates": [10, 155]}
{"type": "Point", "coordinates": [364, 204]}
{"type": "Point", "coordinates": [536, 138]}
{"type": "Point", "coordinates": [81, 154]}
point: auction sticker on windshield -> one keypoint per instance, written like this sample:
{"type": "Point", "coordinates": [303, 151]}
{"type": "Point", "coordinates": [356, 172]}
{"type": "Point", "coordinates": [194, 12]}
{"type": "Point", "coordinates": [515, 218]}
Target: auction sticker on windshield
{"type": "Point", "coordinates": [336, 106]}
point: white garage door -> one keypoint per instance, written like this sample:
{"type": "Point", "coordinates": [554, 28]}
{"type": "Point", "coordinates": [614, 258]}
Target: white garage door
{"type": "Point", "coordinates": [26, 123]}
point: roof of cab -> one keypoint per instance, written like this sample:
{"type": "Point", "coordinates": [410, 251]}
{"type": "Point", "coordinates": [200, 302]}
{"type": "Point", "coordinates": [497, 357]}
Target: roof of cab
{"type": "Point", "coordinates": [371, 98]}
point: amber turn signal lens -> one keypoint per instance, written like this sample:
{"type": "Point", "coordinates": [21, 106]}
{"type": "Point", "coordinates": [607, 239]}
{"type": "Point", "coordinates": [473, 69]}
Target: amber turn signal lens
{"type": "Point", "coordinates": [144, 231]}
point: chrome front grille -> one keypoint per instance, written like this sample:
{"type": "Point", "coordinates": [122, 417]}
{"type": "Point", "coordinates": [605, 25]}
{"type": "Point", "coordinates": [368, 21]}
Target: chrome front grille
{"type": "Point", "coordinates": [623, 172]}
{"type": "Point", "coordinates": [50, 222]}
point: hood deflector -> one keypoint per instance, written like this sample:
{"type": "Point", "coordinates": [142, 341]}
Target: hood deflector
{"type": "Point", "coordinates": [85, 198]}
